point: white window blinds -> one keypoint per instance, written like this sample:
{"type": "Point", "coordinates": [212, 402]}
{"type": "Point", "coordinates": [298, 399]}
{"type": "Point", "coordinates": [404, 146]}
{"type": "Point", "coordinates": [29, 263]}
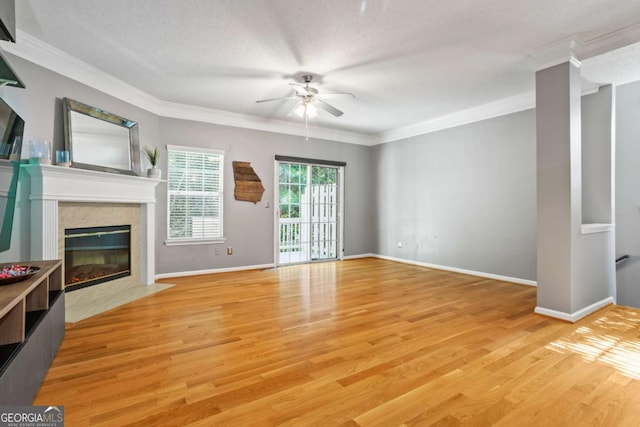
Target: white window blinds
{"type": "Point", "coordinates": [194, 194]}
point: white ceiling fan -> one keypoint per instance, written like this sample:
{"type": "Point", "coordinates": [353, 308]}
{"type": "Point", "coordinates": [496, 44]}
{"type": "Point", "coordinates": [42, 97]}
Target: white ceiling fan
{"type": "Point", "coordinates": [309, 100]}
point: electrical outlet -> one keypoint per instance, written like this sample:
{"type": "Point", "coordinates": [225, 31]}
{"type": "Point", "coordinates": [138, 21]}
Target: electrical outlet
{"type": "Point", "coordinates": [266, 204]}
{"type": "Point", "coordinates": [217, 251]}
{"type": "Point", "coordinates": [399, 244]}
{"type": "Point", "coordinates": [229, 250]}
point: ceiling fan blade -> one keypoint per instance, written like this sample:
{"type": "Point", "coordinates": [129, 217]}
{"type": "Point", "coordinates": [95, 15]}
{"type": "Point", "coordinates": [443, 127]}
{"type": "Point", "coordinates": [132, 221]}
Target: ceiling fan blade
{"type": "Point", "coordinates": [276, 99]}
{"type": "Point", "coordinates": [330, 108]}
{"type": "Point", "coordinates": [301, 90]}
{"type": "Point", "coordinates": [333, 95]}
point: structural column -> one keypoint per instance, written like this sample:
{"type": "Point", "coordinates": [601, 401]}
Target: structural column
{"type": "Point", "coordinates": [575, 268]}
{"type": "Point", "coordinates": [558, 134]}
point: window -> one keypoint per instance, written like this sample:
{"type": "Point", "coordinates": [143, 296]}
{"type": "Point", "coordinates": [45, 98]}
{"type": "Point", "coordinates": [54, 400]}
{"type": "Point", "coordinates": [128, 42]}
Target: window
{"type": "Point", "coordinates": [195, 195]}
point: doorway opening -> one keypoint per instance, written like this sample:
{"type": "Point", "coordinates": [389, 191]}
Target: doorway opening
{"type": "Point", "coordinates": [308, 215]}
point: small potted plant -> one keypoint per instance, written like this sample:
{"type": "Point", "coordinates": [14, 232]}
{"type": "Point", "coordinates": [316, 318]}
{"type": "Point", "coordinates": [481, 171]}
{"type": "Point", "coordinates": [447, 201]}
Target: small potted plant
{"type": "Point", "coordinates": [153, 155]}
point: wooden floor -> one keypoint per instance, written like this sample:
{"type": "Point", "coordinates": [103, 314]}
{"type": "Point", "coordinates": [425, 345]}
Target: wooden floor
{"type": "Point", "coordinates": [361, 342]}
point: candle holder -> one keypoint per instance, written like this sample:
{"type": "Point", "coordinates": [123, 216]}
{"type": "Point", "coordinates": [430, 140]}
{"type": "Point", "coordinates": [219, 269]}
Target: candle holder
{"type": "Point", "coordinates": [40, 152]}
{"type": "Point", "coordinates": [62, 158]}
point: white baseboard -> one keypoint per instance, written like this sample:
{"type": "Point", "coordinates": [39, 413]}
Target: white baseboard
{"type": "Point", "coordinates": [460, 270]}
{"type": "Point", "coordinates": [574, 317]}
{"type": "Point", "coordinates": [213, 271]}
{"type": "Point", "coordinates": [359, 256]}
{"type": "Point", "coordinates": [242, 268]}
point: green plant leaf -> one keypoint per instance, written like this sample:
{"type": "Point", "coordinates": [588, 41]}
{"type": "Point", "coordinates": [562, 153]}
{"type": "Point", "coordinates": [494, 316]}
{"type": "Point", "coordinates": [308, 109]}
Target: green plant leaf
{"type": "Point", "coordinates": [152, 154]}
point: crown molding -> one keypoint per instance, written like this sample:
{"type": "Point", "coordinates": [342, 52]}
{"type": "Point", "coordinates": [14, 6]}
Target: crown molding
{"type": "Point", "coordinates": [575, 48]}
{"type": "Point", "coordinates": [226, 118]}
{"type": "Point", "coordinates": [501, 107]}
{"type": "Point", "coordinates": [47, 56]}
{"type": "Point", "coordinates": [570, 49]}
{"type": "Point", "coordinates": [497, 108]}
{"type": "Point", "coordinates": [564, 50]}
{"type": "Point", "coordinates": [611, 40]}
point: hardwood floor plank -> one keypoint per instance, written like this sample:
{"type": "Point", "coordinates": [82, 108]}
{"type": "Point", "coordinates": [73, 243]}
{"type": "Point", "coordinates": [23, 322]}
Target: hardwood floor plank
{"type": "Point", "coordinates": [362, 343]}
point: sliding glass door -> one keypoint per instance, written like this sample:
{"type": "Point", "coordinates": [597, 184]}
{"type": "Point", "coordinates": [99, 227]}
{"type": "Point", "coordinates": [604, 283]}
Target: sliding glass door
{"type": "Point", "coordinates": [308, 212]}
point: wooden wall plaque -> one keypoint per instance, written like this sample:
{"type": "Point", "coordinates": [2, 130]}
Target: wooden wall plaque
{"type": "Point", "coordinates": [248, 185]}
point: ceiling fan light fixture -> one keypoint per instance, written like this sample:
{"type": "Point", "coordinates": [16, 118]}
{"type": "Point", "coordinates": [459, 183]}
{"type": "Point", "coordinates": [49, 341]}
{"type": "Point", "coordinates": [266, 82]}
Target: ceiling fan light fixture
{"type": "Point", "coordinates": [307, 110]}
{"type": "Point", "coordinates": [312, 111]}
{"type": "Point", "coordinates": [300, 110]}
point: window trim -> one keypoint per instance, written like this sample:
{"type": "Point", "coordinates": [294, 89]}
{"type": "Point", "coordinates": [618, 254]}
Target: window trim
{"type": "Point", "coordinates": [195, 149]}
{"type": "Point", "coordinates": [186, 242]}
{"type": "Point", "coordinates": [195, 241]}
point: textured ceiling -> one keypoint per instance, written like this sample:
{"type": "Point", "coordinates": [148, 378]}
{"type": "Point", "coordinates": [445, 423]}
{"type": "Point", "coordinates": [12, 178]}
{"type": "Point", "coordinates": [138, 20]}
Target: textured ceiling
{"type": "Point", "coordinates": [406, 61]}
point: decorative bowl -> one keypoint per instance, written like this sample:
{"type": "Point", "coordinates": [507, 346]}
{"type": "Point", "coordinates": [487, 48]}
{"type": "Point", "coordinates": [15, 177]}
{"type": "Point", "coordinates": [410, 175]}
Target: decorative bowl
{"type": "Point", "coordinates": [16, 273]}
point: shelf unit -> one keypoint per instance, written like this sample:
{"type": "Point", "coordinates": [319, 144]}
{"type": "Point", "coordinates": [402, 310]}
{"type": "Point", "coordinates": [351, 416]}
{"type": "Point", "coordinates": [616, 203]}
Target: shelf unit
{"type": "Point", "coordinates": [31, 329]}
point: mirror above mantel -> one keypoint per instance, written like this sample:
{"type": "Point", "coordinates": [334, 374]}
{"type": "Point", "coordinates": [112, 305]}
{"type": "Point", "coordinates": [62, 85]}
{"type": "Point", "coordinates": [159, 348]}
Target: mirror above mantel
{"type": "Point", "coordinates": [99, 140]}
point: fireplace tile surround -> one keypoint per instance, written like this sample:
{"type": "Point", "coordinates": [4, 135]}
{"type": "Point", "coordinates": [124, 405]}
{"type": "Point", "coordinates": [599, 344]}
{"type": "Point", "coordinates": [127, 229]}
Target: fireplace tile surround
{"type": "Point", "coordinates": [102, 195]}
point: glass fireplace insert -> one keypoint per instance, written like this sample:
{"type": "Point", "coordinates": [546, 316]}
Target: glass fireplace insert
{"type": "Point", "coordinates": [96, 255]}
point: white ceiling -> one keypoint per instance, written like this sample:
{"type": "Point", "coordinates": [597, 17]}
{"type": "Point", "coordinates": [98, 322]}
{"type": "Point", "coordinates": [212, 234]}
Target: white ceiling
{"type": "Point", "coordinates": [406, 61]}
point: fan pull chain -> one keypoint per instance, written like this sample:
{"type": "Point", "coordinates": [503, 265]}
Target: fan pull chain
{"type": "Point", "coordinates": [306, 124]}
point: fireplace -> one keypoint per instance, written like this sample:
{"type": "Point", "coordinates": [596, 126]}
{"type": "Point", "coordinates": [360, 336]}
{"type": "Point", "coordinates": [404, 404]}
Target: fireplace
{"type": "Point", "coordinates": [96, 255]}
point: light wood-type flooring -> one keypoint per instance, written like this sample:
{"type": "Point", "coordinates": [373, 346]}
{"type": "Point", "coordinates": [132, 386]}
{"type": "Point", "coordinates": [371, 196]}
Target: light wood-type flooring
{"type": "Point", "coordinates": [361, 342]}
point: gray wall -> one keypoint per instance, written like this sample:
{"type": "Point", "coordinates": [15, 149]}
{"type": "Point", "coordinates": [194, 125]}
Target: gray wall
{"type": "Point", "coordinates": [628, 192]}
{"type": "Point", "coordinates": [463, 197]}
{"type": "Point", "coordinates": [595, 253]}
{"type": "Point", "coordinates": [249, 228]}
{"type": "Point", "coordinates": [597, 162]}
{"type": "Point", "coordinates": [40, 105]}
{"type": "Point", "coordinates": [558, 171]}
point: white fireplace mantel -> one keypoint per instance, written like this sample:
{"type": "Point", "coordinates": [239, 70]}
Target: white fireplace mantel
{"type": "Point", "coordinates": [53, 184]}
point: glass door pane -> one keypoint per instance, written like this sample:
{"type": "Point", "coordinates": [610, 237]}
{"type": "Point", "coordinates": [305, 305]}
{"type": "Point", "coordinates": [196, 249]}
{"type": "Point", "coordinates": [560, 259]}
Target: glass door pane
{"type": "Point", "coordinates": [308, 212]}
{"type": "Point", "coordinates": [292, 224]}
{"type": "Point", "coordinates": [324, 212]}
